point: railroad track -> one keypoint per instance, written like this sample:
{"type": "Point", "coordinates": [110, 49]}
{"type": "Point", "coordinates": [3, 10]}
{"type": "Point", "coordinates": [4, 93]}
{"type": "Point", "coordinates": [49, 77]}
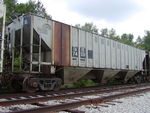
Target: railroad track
{"type": "Point", "coordinates": [14, 95]}
{"type": "Point", "coordinates": [68, 100]}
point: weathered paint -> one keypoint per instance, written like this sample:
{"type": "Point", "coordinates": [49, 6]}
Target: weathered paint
{"type": "Point", "coordinates": [61, 44]}
{"type": "Point", "coordinates": [65, 45]}
{"type": "Point", "coordinates": [72, 74]}
{"type": "Point", "coordinates": [107, 75]}
{"type": "Point", "coordinates": [93, 50]}
{"type": "Point", "coordinates": [129, 75]}
{"type": "Point", "coordinates": [57, 44]}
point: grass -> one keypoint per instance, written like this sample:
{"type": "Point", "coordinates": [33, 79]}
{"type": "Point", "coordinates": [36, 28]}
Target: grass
{"type": "Point", "coordinates": [81, 83]}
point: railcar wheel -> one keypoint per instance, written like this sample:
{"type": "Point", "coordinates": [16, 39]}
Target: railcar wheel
{"type": "Point", "coordinates": [16, 85]}
{"type": "Point", "coordinates": [57, 85]}
{"type": "Point", "coordinates": [27, 86]}
{"type": "Point", "coordinates": [138, 79]}
{"type": "Point", "coordinates": [15, 82]}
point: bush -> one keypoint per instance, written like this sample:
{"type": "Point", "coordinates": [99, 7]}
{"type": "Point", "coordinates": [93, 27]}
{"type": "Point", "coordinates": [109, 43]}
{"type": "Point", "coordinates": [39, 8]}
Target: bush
{"type": "Point", "coordinates": [17, 63]}
{"type": "Point", "coordinates": [85, 83]}
{"type": "Point", "coordinates": [81, 83]}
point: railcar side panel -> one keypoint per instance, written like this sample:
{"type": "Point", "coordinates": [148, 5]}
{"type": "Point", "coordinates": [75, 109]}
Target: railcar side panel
{"type": "Point", "coordinates": [118, 55]}
{"type": "Point", "coordinates": [113, 54]}
{"type": "Point", "coordinates": [143, 57]}
{"type": "Point", "coordinates": [108, 55]}
{"type": "Point", "coordinates": [103, 54]}
{"type": "Point", "coordinates": [96, 50]}
{"type": "Point", "coordinates": [135, 58]}
{"type": "Point", "coordinates": [125, 58]}
{"type": "Point", "coordinates": [89, 49]}
{"type": "Point", "coordinates": [122, 57]}
{"type": "Point", "coordinates": [130, 57]}
{"type": "Point", "coordinates": [75, 52]}
{"type": "Point", "coordinates": [82, 48]}
{"type": "Point", "coordinates": [138, 61]}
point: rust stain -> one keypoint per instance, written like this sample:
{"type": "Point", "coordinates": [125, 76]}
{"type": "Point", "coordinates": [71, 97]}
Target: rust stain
{"type": "Point", "coordinates": [61, 44]}
{"type": "Point", "coordinates": [65, 45]}
{"type": "Point", "coordinates": [57, 44]}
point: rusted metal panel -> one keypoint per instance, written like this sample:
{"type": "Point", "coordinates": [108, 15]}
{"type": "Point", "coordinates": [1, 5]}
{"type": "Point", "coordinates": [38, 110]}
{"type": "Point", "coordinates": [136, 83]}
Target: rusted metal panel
{"type": "Point", "coordinates": [57, 44]}
{"type": "Point", "coordinates": [61, 44]}
{"type": "Point", "coordinates": [65, 45]}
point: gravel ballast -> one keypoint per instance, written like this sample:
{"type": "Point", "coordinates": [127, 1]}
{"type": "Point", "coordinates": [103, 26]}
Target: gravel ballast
{"type": "Point", "coordinates": [134, 104]}
{"type": "Point", "coordinates": [139, 103]}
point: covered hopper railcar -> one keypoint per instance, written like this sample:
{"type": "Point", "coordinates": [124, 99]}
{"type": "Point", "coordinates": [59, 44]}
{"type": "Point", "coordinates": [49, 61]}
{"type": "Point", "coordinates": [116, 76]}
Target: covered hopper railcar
{"type": "Point", "coordinates": [43, 54]}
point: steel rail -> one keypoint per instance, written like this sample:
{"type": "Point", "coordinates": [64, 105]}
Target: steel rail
{"type": "Point", "coordinates": [64, 106]}
{"type": "Point", "coordinates": [13, 95]}
{"type": "Point", "coordinates": [59, 97]}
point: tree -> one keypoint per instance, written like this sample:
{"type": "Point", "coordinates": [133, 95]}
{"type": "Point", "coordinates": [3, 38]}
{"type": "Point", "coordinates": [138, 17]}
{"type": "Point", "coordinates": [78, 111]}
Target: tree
{"type": "Point", "coordinates": [110, 33]}
{"type": "Point", "coordinates": [139, 42]}
{"type": "Point", "coordinates": [104, 32]}
{"type": "Point", "coordinates": [78, 25]}
{"type": "Point", "coordinates": [31, 6]}
{"type": "Point", "coordinates": [127, 39]}
{"type": "Point", "coordinates": [147, 40]}
{"type": "Point", "coordinates": [88, 27]}
{"type": "Point", "coordinates": [10, 7]}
